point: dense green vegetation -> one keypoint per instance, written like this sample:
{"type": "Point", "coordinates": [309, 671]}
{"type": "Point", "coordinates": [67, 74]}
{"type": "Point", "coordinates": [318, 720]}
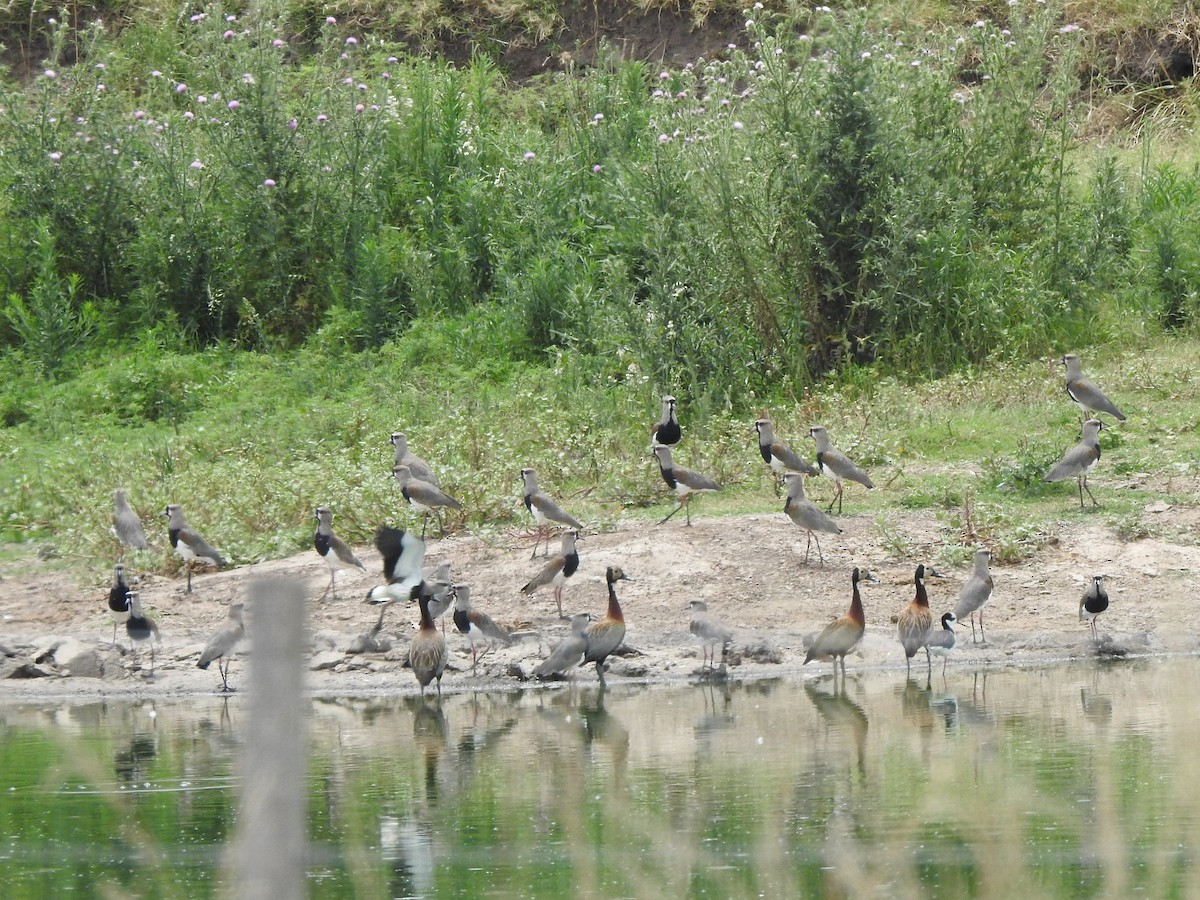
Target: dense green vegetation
{"type": "Point", "coordinates": [236, 251]}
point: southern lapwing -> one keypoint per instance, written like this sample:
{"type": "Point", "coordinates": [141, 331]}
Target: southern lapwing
{"type": "Point", "coordinates": [779, 455]}
{"type": "Point", "coordinates": [331, 548]}
{"type": "Point", "coordinates": [140, 627]}
{"type": "Point", "coordinates": [424, 496]}
{"type": "Point", "coordinates": [710, 632]}
{"type": "Point", "coordinates": [405, 457]}
{"type": "Point", "coordinates": [915, 621]}
{"type": "Point", "coordinates": [684, 482]}
{"type": "Point", "coordinates": [404, 580]}
{"type": "Point", "coordinates": [557, 570]}
{"type": "Point", "coordinates": [604, 636]}
{"type": "Point", "coordinates": [221, 645]}
{"type": "Point", "coordinates": [1080, 460]}
{"type": "Point", "coordinates": [1089, 398]}
{"type": "Point", "coordinates": [476, 625]}
{"type": "Point", "coordinates": [118, 599]}
{"type": "Point", "coordinates": [567, 654]}
{"type": "Point", "coordinates": [976, 591]}
{"type": "Point", "coordinates": [807, 514]}
{"type": "Point", "coordinates": [427, 654]}
{"type": "Point", "coordinates": [842, 635]}
{"type": "Point", "coordinates": [1093, 602]}
{"type": "Point", "coordinates": [126, 526]}
{"type": "Point", "coordinates": [942, 640]}
{"type": "Point", "coordinates": [190, 546]}
{"type": "Point", "coordinates": [546, 513]}
{"type": "Point", "coordinates": [666, 430]}
{"type": "Point", "coordinates": [834, 464]}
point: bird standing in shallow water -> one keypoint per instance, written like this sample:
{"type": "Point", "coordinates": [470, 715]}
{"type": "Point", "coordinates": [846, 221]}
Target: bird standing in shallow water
{"type": "Point", "coordinates": [842, 635]}
{"type": "Point", "coordinates": [557, 570]}
{"type": "Point", "coordinates": [1080, 460]}
{"type": "Point", "coordinates": [1089, 398]}
{"type": "Point", "coordinates": [666, 430]}
{"type": "Point", "coordinates": [1093, 602]}
{"type": "Point", "coordinates": [546, 513]}
{"type": "Point", "coordinates": [141, 627]}
{"type": "Point", "coordinates": [569, 652]}
{"type": "Point", "coordinates": [836, 465]}
{"type": "Point", "coordinates": [126, 526]}
{"type": "Point", "coordinates": [118, 599]}
{"type": "Point", "coordinates": [711, 632]}
{"type": "Point", "coordinates": [684, 482]}
{"type": "Point", "coordinates": [190, 546]}
{"type": "Point", "coordinates": [336, 552]}
{"type": "Point", "coordinates": [477, 626]}
{"type": "Point", "coordinates": [605, 636]}
{"type": "Point", "coordinates": [942, 640]}
{"type": "Point", "coordinates": [916, 621]}
{"type": "Point", "coordinates": [807, 514]}
{"type": "Point", "coordinates": [427, 654]}
{"type": "Point", "coordinates": [976, 592]}
{"type": "Point", "coordinates": [221, 645]}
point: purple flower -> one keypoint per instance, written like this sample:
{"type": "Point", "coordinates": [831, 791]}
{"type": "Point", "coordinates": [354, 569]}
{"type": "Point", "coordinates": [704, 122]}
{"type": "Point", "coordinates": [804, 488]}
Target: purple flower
{"type": "Point", "coordinates": [351, 41]}
{"type": "Point", "coordinates": [530, 156]}
{"type": "Point", "coordinates": [180, 88]}
{"type": "Point", "coordinates": [227, 35]}
{"type": "Point", "coordinates": [202, 99]}
{"type": "Point", "coordinates": [293, 125]}
{"type": "Point", "coordinates": [597, 169]}
{"type": "Point", "coordinates": [392, 59]}
{"type": "Point", "coordinates": [358, 107]}
{"type": "Point", "coordinates": [50, 73]}
{"type": "Point", "coordinates": [277, 43]}
{"type": "Point", "coordinates": [231, 18]}
{"type": "Point", "coordinates": [189, 115]}
{"type": "Point", "coordinates": [322, 118]}
{"type": "Point", "coordinates": [139, 114]}
{"type": "Point", "coordinates": [330, 20]}
{"type": "Point", "coordinates": [270, 182]}
{"type": "Point", "coordinates": [233, 104]}
{"type": "Point", "coordinates": [155, 74]}
{"type": "Point", "coordinates": [664, 139]}
{"type": "Point", "coordinates": [196, 164]}
{"type": "Point", "coordinates": [738, 126]}
{"type": "Point", "coordinates": [55, 156]}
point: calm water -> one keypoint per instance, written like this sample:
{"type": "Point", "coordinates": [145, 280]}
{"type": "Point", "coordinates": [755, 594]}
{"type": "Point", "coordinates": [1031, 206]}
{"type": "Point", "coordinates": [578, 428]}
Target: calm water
{"type": "Point", "coordinates": [1071, 781]}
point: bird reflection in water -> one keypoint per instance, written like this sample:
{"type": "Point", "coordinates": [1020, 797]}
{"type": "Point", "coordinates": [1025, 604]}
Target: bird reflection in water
{"type": "Point", "coordinates": [842, 715]}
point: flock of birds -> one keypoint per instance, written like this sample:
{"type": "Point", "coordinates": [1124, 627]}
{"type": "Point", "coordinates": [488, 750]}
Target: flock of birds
{"type": "Point", "coordinates": [592, 639]}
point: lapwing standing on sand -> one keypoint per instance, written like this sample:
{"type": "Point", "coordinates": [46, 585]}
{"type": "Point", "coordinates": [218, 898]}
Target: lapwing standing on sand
{"type": "Point", "coordinates": [424, 496]}
{"type": "Point", "coordinates": [336, 552]}
{"type": "Point", "coordinates": [684, 482]}
{"type": "Point", "coordinates": [976, 592]}
{"type": "Point", "coordinates": [842, 635]}
{"type": "Point", "coordinates": [1089, 398]}
{"type": "Point", "coordinates": [1080, 460]}
{"type": "Point", "coordinates": [126, 526]}
{"type": "Point", "coordinates": [779, 455]}
{"type": "Point", "coordinates": [836, 465]}
{"type": "Point", "coordinates": [221, 645]}
{"type": "Point", "coordinates": [710, 632]}
{"type": "Point", "coordinates": [666, 430]}
{"type": "Point", "coordinates": [427, 655]}
{"type": "Point", "coordinates": [567, 654]}
{"type": "Point", "coordinates": [190, 546]}
{"type": "Point", "coordinates": [405, 457]}
{"type": "Point", "coordinates": [476, 625]}
{"type": "Point", "coordinates": [807, 514]}
{"type": "Point", "coordinates": [118, 599]}
{"type": "Point", "coordinates": [915, 621]}
{"type": "Point", "coordinates": [557, 570]}
{"type": "Point", "coordinates": [546, 513]}
{"type": "Point", "coordinates": [942, 640]}
{"type": "Point", "coordinates": [140, 627]}
{"type": "Point", "coordinates": [605, 636]}
{"type": "Point", "coordinates": [1093, 602]}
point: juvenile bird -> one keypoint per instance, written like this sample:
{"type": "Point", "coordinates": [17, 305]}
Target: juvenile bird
{"type": "Point", "coordinates": [424, 496]}
{"type": "Point", "coordinates": [916, 621]}
{"type": "Point", "coordinates": [336, 552]}
{"type": "Point", "coordinates": [711, 633]}
{"type": "Point", "coordinates": [976, 592]}
{"type": "Point", "coordinates": [427, 654]}
{"type": "Point", "coordinates": [1093, 602]}
{"type": "Point", "coordinates": [126, 526]}
{"type": "Point", "coordinates": [942, 640]}
{"type": "Point", "coordinates": [1080, 460]}
{"type": "Point", "coordinates": [477, 626]}
{"type": "Point", "coordinates": [405, 457]}
{"type": "Point", "coordinates": [605, 636]}
{"type": "Point", "coordinates": [190, 546]}
{"type": "Point", "coordinates": [836, 465]}
{"type": "Point", "coordinates": [807, 514]}
{"type": "Point", "coordinates": [1089, 398]}
{"type": "Point", "coordinates": [557, 570]}
{"type": "Point", "coordinates": [666, 430]}
{"type": "Point", "coordinates": [568, 653]}
{"type": "Point", "coordinates": [546, 513]}
{"type": "Point", "coordinates": [684, 482]}
{"type": "Point", "coordinates": [221, 645]}
{"type": "Point", "coordinates": [141, 627]}
{"type": "Point", "coordinates": [779, 455]}
{"type": "Point", "coordinates": [842, 635]}
{"type": "Point", "coordinates": [118, 599]}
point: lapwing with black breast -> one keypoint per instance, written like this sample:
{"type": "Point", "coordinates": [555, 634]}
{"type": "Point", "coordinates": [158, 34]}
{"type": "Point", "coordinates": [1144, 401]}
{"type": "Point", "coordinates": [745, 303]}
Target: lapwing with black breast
{"type": "Point", "coordinates": [1080, 460]}
{"type": "Point", "coordinates": [546, 513]}
{"type": "Point", "coordinates": [779, 455]}
{"type": "Point", "coordinates": [191, 547]}
{"type": "Point", "coordinates": [1087, 396]}
{"type": "Point", "coordinates": [331, 548]}
{"type": "Point", "coordinates": [424, 496]}
{"type": "Point", "coordinates": [807, 514]}
{"type": "Point", "coordinates": [140, 627]}
{"type": "Point", "coordinates": [477, 625]}
{"type": "Point", "coordinates": [683, 481]}
{"type": "Point", "coordinates": [834, 464]}
{"type": "Point", "coordinates": [118, 599]}
{"type": "Point", "coordinates": [222, 644]}
{"type": "Point", "coordinates": [666, 430]}
{"type": "Point", "coordinates": [1093, 602]}
{"type": "Point", "coordinates": [557, 570]}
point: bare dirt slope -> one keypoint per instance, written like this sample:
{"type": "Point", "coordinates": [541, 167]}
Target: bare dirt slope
{"type": "Point", "coordinates": [750, 569]}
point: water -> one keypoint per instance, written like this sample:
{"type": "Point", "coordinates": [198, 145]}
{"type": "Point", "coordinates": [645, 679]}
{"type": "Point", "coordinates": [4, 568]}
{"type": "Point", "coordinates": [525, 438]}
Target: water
{"type": "Point", "coordinates": [1068, 781]}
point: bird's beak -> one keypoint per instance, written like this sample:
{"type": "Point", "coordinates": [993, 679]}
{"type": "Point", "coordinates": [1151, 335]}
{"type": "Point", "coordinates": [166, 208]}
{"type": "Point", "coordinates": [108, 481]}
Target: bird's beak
{"type": "Point", "coordinates": [933, 573]}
